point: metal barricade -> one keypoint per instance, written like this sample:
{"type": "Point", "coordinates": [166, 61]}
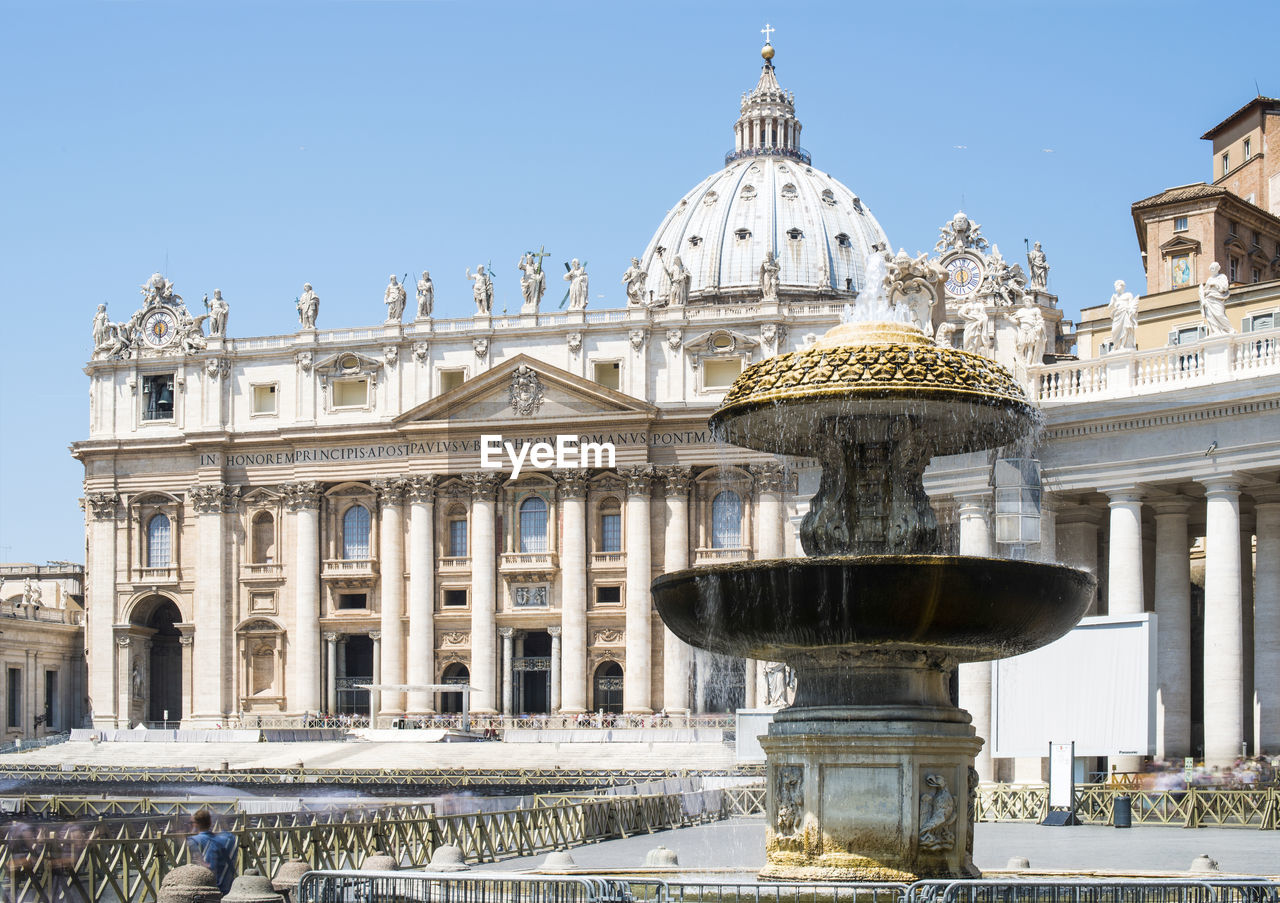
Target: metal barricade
{"type": "Point", "coordinates": [768, 892]}
{"type": "Point", "coordinates": [1092, 890]}
{"type": "Point", "coordinates": [454, 887]}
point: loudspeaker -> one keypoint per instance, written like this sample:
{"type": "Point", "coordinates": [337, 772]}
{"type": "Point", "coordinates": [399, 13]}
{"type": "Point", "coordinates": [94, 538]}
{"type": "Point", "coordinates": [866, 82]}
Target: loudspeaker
{"type": "Point", "coordinates": [1059, 817]}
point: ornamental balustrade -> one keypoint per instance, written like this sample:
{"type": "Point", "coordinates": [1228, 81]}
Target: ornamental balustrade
{"type": "Point", "coordinates": [713, 556]}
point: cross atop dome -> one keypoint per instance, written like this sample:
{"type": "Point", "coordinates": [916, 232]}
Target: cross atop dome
{"type": "Point", "coordinates": [767, 125]}
{"type": "Point", "coordinates": [767, 50]}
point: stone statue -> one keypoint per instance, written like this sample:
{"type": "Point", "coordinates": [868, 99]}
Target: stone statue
{"type": "Point", "coordinates": [1124, 319]}
{"type": "Point", "coordinates": [1031, 338]}
{"type": "Point", "coordinates": [937, 815]}
{"type": "Point", "coordinates": [1003, 282]}
{"type": "Point", "coordinates": [135, 679]}
{"type": "Point", "coordinates": [974, 314]}
{"type": "Point", "coordinates": [634, 279]}
{"type": "Point", "coordinates": [769, 279]}
{"type": "Point", "coordinates": [1038, 264]}
{"type": "Point", "coordinates": [159, 290]}
{"type": "Point", "coordinates": [790, 800]}
{"type": "Point", "coordinates": [577, 279]}
{"type": "Point", "coordinates": [681, 279]}
{"type": "Point", "coordinates": [191, 331]}
{"type": "Point", "coordinates": [960, 234]}
{"type": "Point", "coordinates": [533, 282]}
{"type": "Point", "coordinates": [1213, 302]}
{"type": "Point", "coordinates": [780, 684]}
{"type": "Point", "coordinates": [308, 307]}
{"type": "Point", "coordinates": [26, 591]}
{"type": "Point", "coordinates": [426, 296]}
{"type": "Point", "coordinates": [218, 310]}
{"type": "Point", "coordinates": [482, 290]}
{"type": "Point", "coordinates": [395, 298]}
{"type": "Point", "coordinates": [37, 594]}
{"type": "Point", "coordinates": [945, 332]}
{"type": "Point", "coordinates": [101, 328]}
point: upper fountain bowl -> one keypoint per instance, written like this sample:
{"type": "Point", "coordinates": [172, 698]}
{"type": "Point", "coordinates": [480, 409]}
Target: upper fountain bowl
{"type": "Point", "coordinates": [864, 374]}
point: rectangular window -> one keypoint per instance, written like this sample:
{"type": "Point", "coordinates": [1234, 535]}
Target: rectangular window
{"type": "Point", "coordinates": [1255, 274]}
{"type": "Point", "coordinates": [157, 397]}
{"type": "Point", "coordinates": [608, 595]}
{"type": "Point", "coordinates": [1233, 269]}
{"type": "Point", "coordinates": [720, 374]}
{"type": "Point", "coordinates": [611, 533]}
{"type": "Point", "coordinates": [455, 598]}
{"type": "Point", "coordinates": [264, 399]}
{"type": "Point", "coordinates": [13, 690]}
{"type": "Point", "coordinates": [1180, 224]}
{"type": "Point", "coordinates": [348, 601]}
{"type": "Point", "coordinates": [50, 699]}
{"type": "Point", "coordinates": [1263, 321]}
{"type": "Point", "coordinates": [1248, 149]}
{"type": "Point", "coordinates": [451, 379]}
{"type": "Point", "coordinates": [607, 374]}
{"type": "Point", "coordinates": [1233, 228]}
{"type": "Point", "coordinates": [457, 538]}
{"type": "Point", "coordinates": [1189, 335]}
{"type": "Point", "coordinates": [1226, 163]}
{"type": "Point", "coordinates": [350, 393]}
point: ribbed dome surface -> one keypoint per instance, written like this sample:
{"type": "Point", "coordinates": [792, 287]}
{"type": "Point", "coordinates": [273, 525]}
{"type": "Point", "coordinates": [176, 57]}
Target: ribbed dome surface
{"type": "Point", "coordinates": [724, 227]}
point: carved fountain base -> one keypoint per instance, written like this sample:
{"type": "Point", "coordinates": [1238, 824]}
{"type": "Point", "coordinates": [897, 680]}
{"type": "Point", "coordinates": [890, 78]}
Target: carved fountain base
{"type": "Point", "coordinates": [869, 801]}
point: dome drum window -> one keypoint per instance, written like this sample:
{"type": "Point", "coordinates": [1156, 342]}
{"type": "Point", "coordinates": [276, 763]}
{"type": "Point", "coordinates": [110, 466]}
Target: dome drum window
{"type": "Point", "coordinates": [742, 234]}
{"type": "Point", "coordinates": [789, 192]}
{"type": "Point", "coordinates": [794, 234]}
{"type": "Point", "coordinates": [843, 241]}
{"type": "Point", "coordinates": [695, 240]}
{"type": "Point", "coordinates": [710, 198]}
{"type": "Point", "coordinates": [748, 192]}
{"type": "Point", "coordinates": [828, 197]}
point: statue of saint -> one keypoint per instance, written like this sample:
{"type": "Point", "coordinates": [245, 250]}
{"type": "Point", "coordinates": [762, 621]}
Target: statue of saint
{"type": "Point", "coordinates": [533, 282]}
{"type": "Point", "coordinates": [974, 314]}
{"type": "Point", "coordinates": [1213, 302]}
{"type": "Point", "coordinates": [308, 307]}
{"type": "Point", "coordinates": [577, 279]}
{"type": "Point", "coordinates": [769, 279]}
{"type": "Point", "coordinates": [218, 311]}
{"type": "Point", "coordinates": [101, 328]}
{"type": "Point", "coordinates": [426, 296]}
{"type": "Point", "coordinates": [482, 290]}
{"type": "Point", "coordinates": [681, 279]}
{"type": "Point", "coordinates": [634, 279]}
{"type": "Point", "coordinates": [1038, 264]}
{"type": "Point", "coordinates": [1031, 337]}
{"type": "Point", "coordinates": [395, 298]}
{"type": "Point", "coordinates": [1124, 319]}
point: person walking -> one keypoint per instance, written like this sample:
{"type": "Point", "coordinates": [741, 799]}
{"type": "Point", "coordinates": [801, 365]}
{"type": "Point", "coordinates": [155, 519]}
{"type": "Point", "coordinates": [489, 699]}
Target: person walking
{"type": "Point", "coordinates": [214, 851]}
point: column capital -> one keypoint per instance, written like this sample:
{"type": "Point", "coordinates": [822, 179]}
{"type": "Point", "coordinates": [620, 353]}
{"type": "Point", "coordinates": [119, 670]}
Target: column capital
{"type": "Point", "coordinates": [301, 495]}
{"type": "Point", "coordinates": [676, 480]}
{"type": "Point", "coordinates": [1264, 495]}
{"type": "Point", "coordinates": [375, 635]}
{"type": "Point", "coordinates": [1079, 514]}
{"type": "Point", "coordinates": [331, 638]}
{"type": "Point", "coordinates": [572, 483]}
{"type": "Point", "coordinates": [213, 498]}
{"type": "Point", "coordinates": [1221, 486]}
{"type": "Point", "coordinates": [483, 484]}
{"type": "Point", "coordinates": [506, 632]}
{"type": "Point", "coordinates": [1127, 495]}
{"type": "Point", "coordinates": [1170, 505]}
{"type": "Point", "coordinates": [770, 476]}
{"type": "Point", "coordinates": [103, 505]}
{"type": "Point", "coordinates": [971, 500]}
{"type": "Point", "coordinates": [554, 630]}
{"type": "Point", "coordinates": [639, 479]}
{"type": "Point", "coordinates": [421, 488]}
{"type": "Point", "coordinates": [390, 490]}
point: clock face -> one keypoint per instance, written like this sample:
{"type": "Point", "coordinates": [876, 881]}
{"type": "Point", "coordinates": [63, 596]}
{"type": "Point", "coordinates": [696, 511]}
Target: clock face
{"type": "Point", "coordinates": [963, 276]}
{"type": "Point", "coordinates": [159, 328]}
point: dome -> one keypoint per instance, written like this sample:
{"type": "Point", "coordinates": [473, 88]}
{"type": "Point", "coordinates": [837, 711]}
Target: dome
{"type": "Point", "coordinates": [768, 197]}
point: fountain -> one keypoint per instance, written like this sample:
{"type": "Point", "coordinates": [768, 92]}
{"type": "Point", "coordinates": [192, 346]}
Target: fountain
{"type": "Point", "coordinates": [870, 770]}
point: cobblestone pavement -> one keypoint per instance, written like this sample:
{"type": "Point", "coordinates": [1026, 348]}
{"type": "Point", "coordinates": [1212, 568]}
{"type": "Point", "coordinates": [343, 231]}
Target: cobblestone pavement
{"type": "Point", "coordinates": [739, 844]}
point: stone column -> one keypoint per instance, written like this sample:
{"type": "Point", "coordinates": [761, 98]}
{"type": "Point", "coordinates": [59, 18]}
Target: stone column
{"type": "Point", "coordinates": [637, 676]}
{"type": "Point", "coordinates": [1246, 627]}
{"type": "Point", "coordinates": [1124, 561]}
{"type": "Point", "coordinates": [103, 509]}
{"type": "Point", "coordinates": [422, 631]}
{"type": "Point", "coordinates": [391, 568]}
{"type": "Point", "coordinates": [303, 499]}
{"type": "Point", "coordinates": [124, 663]}
{"type": "Point", "coordinates": [375, 696]}
{"type": "Point", "coordinates": [677, 657]}
{"type": "Point", "coordinates": [1173, 629]}
{"type": "Point", "coordinates": [1223, 666]}
{"type": "Point", "coordinates": [484, 490]}
{"type": "Point", "coordinates": [187, 642]}
{"type": "Point", "coordinates": [555, 668]}
{"type": "Point", "coordinates": [1078, 541]}
{"type": "Point", "coordinates": [508, 643]}
{"type": "Point", "coordinates": [572, 681]}
{"type": "Point", "coordinates": [212, 655]}
{"type": "Point", "coordinates": [1266, 625]}
{"type": "Point", "coordinates": [331, 677]}
{"type": "Point", "coordinates": [975, 677]}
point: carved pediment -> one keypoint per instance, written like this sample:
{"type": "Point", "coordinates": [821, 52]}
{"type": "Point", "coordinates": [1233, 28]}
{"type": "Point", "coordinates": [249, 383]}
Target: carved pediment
{"type": "Point", "coordinates": [348, 363]}
{"type": "Point", "coordinates": [721, 341]}
{"type": "Point", "coordinates": [1179, 244]}
{"type": "Point", "coordinates": [524, 389]}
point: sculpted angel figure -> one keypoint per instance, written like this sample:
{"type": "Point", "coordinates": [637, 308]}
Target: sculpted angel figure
{"type": "Point", "coordinates": [577, 279]}
{"type": "Point", "coordinates": [974, 314]}
{"type": "Point", "coordinates": [218, 311]}
{"type": "Point", "coordinates": [634, 279]}
{"type": "Point", "coordinates": [101, 328]}
{"type": "Point", "coordinates": [482, 289]}
{"type": "Point", "coordinates": [533, 282]}
{"type": "Point", "coordinates": [769, 278]}
{"type": "Point", "coordinates": [159, 290]}
{"type": "Point", "coordinates": [395, 298]}
{"type": "Point", "coordinates": [1039, 266]}
{"type": "Point", "coordinates": [426, 295]}
{"type": "Point", "coordinates": [1124, 319]}
{"type": "Point", "coordinates": [680, 278]}
{"type": "Point", "coordinates": [1213, 302]}
{"type": "Point", "coordinates": [1030, 340]}
{"type": "Point", "coordinates": [308, 307]}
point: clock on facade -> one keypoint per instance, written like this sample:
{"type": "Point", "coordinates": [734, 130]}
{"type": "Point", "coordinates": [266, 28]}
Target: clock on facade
{"type": "Point", "coordinates": [963, 276]}
{"type": "Point", "coordinates": [159, 327]}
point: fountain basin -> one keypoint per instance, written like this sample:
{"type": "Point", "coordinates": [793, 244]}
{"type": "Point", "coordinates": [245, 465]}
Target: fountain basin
{"type": "Point", "coordinates": [964, 608]}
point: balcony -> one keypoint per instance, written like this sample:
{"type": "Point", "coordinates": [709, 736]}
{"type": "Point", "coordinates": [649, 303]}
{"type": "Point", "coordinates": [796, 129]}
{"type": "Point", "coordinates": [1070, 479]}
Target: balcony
{"type": "Point", "coordinates": [527, 565]}
{"type": "Point", "coordinates": [608, 559]}
{"type": "Point", "coordinates": [718, 556]}
{"type": "Point", "coordinates": [349, 571]}
{"type": "Point", "coordinates": [261, 572]}
{"type": "Point", "coordinates": [155, 576]}
{"type": "Point", "coordinates": [455, 563]}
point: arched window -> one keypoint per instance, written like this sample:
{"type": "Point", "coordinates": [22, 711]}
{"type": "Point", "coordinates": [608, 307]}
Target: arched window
{"type": "Point", "coordinates": [610, 526]}
{"type": "Point", "coordinates": [533, 525]}
{"type": "Point", "coordinates": [159, 546]}
{"type": "Point", "coordinates": [355, 532]}
{"type": "Point", "coordinates": [726, 520]}
{"type": "Point", "coordinates": [264, 538]}
{"type": "Point", "coordinates": [457, 532]}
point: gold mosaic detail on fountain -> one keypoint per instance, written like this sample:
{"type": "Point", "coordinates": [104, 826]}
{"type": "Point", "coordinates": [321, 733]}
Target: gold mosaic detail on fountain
{"type": "Point", "coordinates": [870, 368]}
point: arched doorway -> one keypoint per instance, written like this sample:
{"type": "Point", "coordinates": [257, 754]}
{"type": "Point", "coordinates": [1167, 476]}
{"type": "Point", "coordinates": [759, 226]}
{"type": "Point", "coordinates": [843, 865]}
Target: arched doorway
{"type": "Point", "coordinates": [607, 689]}
{"type": "Point", "coordinates": [357, 670]}
{"type": "Point", "coordinates": [457, 673]}
{"type": "Point", "coordinates": [162, 682]}
{"type": "Point", "coordinates": [533, 673]}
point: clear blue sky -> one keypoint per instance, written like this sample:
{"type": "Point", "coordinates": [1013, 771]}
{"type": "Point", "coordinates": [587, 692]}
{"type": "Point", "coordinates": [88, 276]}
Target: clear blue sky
{"type": "Point", "coordinates": [254, 146]}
